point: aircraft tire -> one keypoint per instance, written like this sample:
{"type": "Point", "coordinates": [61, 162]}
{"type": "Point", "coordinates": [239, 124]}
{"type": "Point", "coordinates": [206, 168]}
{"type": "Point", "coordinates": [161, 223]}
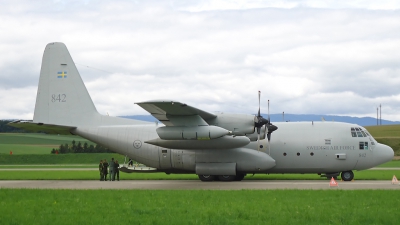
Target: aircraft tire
{"type": "Point", "coordinates": [347, 175]}
{"type": "Point", "coordinates": [227, 177]}
{"type": "Point", "coordinates": [240, 176]}
{"type": "Point", "coordinates": [206, 177]}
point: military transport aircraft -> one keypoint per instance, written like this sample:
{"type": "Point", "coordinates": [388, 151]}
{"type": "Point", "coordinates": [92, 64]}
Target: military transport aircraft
{"type": "Point", "coordinates": [215, 146]}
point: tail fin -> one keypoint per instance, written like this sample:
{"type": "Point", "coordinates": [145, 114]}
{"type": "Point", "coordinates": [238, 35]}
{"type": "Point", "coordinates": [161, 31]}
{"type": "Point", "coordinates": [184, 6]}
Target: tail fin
{"type": "Point", "coordinates": [62, 98]}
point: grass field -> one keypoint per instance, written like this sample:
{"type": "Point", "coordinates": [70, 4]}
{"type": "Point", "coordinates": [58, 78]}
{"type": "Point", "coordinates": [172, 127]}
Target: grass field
{"type": "Point", "coordinates": [59, 207]}
{"type": "Point", "coordinates": [21, 143]}
{"type": "Point", "coordinates": [388, 135]}
{"type": "Point", "coordinates": [384, 131]}
{"type": "Point", "coordinates": [52, 159]}
{"type": "Point", "coordinates": [94, 175]}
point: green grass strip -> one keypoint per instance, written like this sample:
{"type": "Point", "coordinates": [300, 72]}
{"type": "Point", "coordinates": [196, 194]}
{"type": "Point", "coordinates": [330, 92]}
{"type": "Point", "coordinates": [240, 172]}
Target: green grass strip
{"type": "Point", "coordinates": [94, 175]}
{"type": "Point", "coordinates": [198, 207]}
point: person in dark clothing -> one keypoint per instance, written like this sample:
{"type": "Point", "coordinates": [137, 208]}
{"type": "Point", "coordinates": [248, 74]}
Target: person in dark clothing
{"type": "Point", "coordinates": [105, 171]}
{"type": "Point", "coordinates": [101, 170]}
{"type": "Point", "coordinates": [112, 173]}
{"type": "Point", "coordinates": [116, 169]}
{"type": "Point", "coordinates": [130, 163]}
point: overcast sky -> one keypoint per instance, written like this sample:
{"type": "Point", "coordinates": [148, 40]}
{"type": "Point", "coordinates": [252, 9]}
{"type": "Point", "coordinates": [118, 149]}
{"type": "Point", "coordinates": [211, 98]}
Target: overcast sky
{"type": "Point", "coordinates": [307, 57]}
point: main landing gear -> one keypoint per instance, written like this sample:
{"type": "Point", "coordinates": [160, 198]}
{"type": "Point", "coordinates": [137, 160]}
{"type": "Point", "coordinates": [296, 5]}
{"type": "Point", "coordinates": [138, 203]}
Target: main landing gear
{"type": "Point", "coordinates": [347, 175]}
{"type": "Point", "coordinates": [238, 177]}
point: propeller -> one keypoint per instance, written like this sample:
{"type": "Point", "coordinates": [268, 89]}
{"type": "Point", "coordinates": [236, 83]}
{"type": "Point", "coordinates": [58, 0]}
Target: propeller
{"type": "Point", "coordinates": [259, 121]}
{"type": "Point", "coordinates": [271, 128]}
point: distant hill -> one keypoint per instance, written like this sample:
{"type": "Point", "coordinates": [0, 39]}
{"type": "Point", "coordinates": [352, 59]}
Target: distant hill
{"type": "Point", "coordinates": [362, 121]}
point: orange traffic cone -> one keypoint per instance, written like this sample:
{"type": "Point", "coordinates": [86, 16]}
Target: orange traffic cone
{"type": "Point", "coordinates": [333, 183]}
{"type": "Point", "coordinates": [394, 180]}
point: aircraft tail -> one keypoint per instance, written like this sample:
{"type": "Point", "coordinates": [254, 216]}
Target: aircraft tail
{"type": "Point", "coordinates": [62, 98]}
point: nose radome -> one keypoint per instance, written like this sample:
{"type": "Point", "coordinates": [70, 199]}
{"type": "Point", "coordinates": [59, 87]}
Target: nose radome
{"type": "Point", "coordinates": [383, 153]}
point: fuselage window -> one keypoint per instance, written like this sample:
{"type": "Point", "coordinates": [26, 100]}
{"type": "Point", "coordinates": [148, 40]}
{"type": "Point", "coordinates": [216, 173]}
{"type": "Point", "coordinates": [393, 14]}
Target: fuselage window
{"type": "Point", "coordinates": [363, 145]}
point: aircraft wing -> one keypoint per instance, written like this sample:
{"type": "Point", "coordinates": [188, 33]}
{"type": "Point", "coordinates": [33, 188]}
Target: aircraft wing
{"type": "Point", "coordinates": [172, 113]}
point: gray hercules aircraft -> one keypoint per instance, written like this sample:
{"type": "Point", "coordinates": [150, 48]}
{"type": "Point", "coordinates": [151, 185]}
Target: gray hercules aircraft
{"type": "Point", "coordinates": [215, 146]}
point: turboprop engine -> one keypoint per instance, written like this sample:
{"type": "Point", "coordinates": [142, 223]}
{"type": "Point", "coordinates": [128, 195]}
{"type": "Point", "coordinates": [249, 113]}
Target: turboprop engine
{"type": "Point", "coordinates": [197, 137]}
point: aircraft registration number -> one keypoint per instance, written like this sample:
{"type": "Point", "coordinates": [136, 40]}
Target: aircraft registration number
{"type": "Point", "coordinates": [58, 98]}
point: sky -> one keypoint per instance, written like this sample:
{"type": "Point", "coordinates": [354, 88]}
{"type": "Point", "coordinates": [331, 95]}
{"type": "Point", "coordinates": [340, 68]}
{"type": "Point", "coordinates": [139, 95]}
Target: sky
{"type": "Point", "coordinates": [305, 56]}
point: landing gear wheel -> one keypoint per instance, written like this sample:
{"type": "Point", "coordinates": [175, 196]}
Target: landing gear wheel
{"type": "Point", "coordinates": [226, 177]}
{"type": "Point", "coordinates": [206, 177]}
{"type": "Point", "coordinates": [240, 176]}
{"type": "Point", "coordinates": [347, 175]}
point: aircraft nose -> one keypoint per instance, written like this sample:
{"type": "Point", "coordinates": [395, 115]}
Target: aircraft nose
{"type": "Point", "coordinates": [383, 153]}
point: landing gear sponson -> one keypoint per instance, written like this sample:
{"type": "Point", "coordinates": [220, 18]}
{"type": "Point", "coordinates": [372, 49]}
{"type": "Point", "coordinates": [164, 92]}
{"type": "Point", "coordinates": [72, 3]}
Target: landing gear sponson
{"type": "Point", "coordinates": [345, 175]}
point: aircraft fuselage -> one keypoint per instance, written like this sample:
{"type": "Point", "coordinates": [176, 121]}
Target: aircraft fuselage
{"type": "Point", "coordinates": [297, 147]}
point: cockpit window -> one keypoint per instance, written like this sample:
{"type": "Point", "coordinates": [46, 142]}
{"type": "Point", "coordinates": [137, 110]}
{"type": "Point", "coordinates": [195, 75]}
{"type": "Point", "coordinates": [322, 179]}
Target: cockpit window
{"type": "Point", "coordinates": [358, 132]}
{"type": "Point", "coordinates": [363, 133]}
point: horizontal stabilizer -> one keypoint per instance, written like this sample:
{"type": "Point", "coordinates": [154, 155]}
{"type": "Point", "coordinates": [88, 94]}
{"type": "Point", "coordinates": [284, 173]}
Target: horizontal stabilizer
{"type": "Point", "coordinates": [39, 127]}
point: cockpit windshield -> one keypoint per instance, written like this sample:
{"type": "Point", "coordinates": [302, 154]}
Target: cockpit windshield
{"type": "Point", "coordinates": [361, 132]}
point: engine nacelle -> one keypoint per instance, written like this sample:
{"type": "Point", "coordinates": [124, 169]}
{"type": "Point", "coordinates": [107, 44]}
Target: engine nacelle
{"type": "Point", "coordinates": [239, 124]}
{"type": "Point", "coordinates": [254, 136]}
{"type": "Point", "coordinates": [191, 133]}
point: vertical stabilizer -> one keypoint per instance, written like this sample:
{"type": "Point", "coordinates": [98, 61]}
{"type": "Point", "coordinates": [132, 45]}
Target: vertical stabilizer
{"type": "Point", "coordinates": [62, 98]}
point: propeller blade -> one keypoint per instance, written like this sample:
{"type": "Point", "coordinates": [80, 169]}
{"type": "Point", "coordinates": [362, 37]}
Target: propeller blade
{"type": "Point", "coordinates": [269, 148]}
{"type": "Point", "coordinates": [269, 120]}
{"type": "Point", "coordinates": [259, 97]}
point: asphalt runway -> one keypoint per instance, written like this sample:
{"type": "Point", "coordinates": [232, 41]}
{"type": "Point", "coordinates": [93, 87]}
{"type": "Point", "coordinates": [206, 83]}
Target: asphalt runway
{"type": "Point", "coordinates": [197, 185]}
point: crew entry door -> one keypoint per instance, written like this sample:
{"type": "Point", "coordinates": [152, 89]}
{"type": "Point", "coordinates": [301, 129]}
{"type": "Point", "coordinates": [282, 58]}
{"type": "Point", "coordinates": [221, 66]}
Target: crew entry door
{"type": "Point", "coordinates": [165, 158]}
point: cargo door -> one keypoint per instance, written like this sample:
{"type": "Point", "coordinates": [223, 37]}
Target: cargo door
{"type": "Point", "coordinates": [165, 158]}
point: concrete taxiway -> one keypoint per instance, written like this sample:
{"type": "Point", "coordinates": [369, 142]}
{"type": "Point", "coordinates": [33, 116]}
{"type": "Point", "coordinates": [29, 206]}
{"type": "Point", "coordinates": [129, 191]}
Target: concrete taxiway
{"type": "Point", "coordinates": [197, 185]}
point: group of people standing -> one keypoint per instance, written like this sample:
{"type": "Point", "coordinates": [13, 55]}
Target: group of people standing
{"type": "Point", "coordinates": [112, 168]}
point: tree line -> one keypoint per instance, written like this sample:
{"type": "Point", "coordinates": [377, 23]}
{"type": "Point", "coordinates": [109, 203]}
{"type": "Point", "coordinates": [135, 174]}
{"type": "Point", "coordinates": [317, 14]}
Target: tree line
{"type": "Point", "coordinates": [80, 148]}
